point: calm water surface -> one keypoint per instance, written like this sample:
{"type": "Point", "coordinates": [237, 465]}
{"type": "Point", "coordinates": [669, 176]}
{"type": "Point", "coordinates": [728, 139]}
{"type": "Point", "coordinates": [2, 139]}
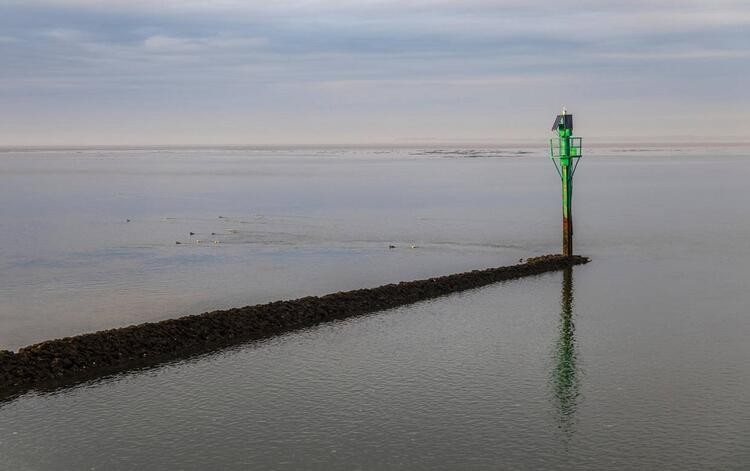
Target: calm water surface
{"type": "Point", "coordinates": [638, 360]}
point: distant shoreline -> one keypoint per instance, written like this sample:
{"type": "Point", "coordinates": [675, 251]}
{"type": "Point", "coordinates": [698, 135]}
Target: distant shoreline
{"type": "Point", "coordinates": [541, 142]}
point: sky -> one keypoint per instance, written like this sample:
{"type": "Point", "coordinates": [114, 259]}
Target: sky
{"type": "Point", "coordinates": [212, 72]}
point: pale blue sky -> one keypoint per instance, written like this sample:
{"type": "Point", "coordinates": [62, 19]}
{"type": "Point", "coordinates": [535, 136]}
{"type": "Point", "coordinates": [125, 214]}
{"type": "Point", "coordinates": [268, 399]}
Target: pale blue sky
{"type": "Point", "coordinates": [285, 72]}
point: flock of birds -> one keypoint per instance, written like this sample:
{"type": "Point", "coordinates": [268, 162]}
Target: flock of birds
{"type": "Point", "coordinates": [201, 241]}
{"type": "Point", "coordinates": [235, 231]}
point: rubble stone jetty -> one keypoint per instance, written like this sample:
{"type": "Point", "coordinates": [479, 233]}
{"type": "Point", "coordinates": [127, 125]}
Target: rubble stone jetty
{"type": "Point", "coordinates": [87, 356]}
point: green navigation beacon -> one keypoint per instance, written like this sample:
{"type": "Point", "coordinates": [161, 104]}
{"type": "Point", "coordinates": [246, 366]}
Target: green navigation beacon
{"type": "Point", "coordinates": [566, 151]}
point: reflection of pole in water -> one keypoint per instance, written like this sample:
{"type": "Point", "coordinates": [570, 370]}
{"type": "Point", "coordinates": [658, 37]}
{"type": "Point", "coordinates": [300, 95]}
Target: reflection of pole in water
{"type": "Point", "coordinates": [565, 375]}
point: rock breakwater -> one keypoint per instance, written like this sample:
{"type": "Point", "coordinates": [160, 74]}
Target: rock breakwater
{"type": "Point", "coordinates": [95, 354]}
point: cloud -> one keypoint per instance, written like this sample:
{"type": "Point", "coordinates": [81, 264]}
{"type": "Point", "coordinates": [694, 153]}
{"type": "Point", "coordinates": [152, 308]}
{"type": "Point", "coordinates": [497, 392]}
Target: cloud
{"type": "Point", "coordinates": [161, 43]}
{"type": "Point", "coordinates": [306, 57]}
{"type": "Point", "coordinates": [172, 44]}
{"type": "Point", "coordinates": [693, 55]}
{"type": "Point", "coordinates": [64, 34]}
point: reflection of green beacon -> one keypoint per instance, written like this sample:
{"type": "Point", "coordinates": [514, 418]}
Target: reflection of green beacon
{"type": "Point", "coordinates": [566, 150]}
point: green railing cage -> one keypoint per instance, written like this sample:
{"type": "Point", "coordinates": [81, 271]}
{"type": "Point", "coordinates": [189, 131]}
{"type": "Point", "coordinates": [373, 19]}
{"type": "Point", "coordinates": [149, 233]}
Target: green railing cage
{"type": "Point", "coordinates": [575, 148]}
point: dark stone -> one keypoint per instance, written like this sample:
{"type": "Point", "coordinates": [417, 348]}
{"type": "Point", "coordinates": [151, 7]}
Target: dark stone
{"type": "Point", "coordinates": [90, 355]}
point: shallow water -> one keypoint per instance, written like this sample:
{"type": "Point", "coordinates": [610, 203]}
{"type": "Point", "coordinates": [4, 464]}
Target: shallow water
{"type": "Point", "coordinates": [88, 238]}
{"type": "Point", "coordinates": [636, 360]}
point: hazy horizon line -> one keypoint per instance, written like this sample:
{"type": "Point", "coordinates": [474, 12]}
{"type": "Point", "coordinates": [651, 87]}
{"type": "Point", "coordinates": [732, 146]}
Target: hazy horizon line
{"type": "Point", "coordinates": [542, 142]}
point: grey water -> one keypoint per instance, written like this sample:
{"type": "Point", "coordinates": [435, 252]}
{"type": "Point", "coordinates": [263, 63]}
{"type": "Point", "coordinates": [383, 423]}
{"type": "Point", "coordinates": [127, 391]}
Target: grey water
{"type": "Point", "coordinates": [638, 360]}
